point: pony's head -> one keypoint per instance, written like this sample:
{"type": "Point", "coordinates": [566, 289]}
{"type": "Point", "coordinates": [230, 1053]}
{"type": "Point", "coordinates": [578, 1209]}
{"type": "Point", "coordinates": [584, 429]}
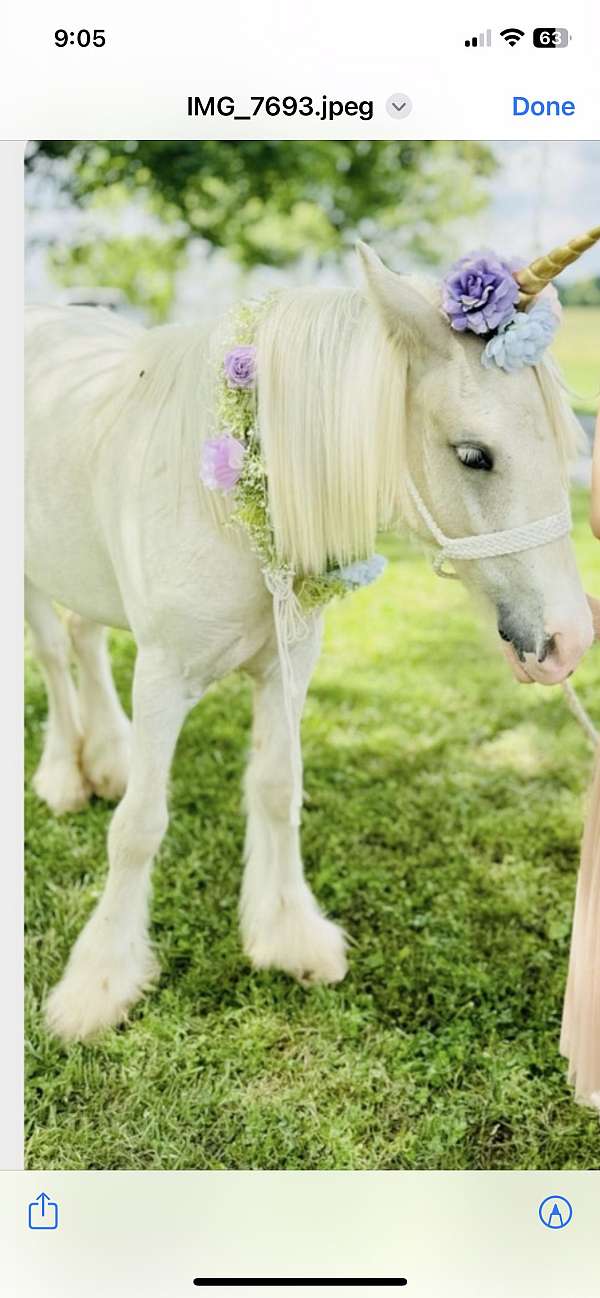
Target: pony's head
{"type": "Point", "coordinates": [488, 451]}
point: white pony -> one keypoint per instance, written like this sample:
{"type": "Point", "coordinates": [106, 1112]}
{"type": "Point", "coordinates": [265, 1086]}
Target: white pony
{"type": "Point", "coordinates": [357, 391]}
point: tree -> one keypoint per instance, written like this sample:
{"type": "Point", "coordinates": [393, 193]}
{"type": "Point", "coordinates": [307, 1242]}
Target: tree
{"type": "Point", "coordinates": [584, 292]}
{"type": "Point", "coordinates": [268, 202]}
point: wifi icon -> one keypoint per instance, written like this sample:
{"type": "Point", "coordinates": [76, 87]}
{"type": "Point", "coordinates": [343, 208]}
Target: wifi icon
{"type": "Point", "coordinates": [512, 35]}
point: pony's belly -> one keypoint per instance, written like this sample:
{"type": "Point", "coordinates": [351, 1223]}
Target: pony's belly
{"type": "Point", "coordinates": [65, 559]}
{"type": "Point", "coordinates": [95, 598]}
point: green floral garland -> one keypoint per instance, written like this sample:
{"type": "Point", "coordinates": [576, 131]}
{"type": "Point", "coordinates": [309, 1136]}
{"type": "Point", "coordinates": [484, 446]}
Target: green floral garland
{"type": "Point", "coordinates": [233, 463]}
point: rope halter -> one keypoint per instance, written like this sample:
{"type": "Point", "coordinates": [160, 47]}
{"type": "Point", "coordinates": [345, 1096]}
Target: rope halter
{"type": "Point", "coordinates": [490, 545]}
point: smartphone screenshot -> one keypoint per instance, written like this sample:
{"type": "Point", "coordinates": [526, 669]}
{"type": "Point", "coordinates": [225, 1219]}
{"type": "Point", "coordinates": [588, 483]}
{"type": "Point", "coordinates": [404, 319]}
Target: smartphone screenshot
{"type": "Point", "coordinates": [301, 738]}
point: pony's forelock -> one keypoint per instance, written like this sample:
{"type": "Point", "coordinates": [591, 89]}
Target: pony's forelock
{"type": "Point", "coordinates": [332, 416]}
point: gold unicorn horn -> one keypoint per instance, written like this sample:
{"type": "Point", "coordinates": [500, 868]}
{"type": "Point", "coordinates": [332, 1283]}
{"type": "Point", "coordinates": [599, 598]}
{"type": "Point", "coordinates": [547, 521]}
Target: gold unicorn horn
{"type": "Point", "coordinates": [532, 279]}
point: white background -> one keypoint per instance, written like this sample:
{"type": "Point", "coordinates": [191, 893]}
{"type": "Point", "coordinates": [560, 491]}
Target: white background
{"type": "Point", "coordinates": [158, 54]}
{"type": "Point", "coordinates": [450, 1234]}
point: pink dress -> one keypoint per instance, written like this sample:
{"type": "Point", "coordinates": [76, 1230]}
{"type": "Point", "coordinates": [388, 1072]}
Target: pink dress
{"type": "Point", "coordinates": [580, 1036]}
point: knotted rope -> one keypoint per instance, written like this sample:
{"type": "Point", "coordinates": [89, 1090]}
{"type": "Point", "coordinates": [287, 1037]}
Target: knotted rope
{"type": "Point", "coordinates": [490, 545]}
{"type": "Point", "coordinates": [290, 627]}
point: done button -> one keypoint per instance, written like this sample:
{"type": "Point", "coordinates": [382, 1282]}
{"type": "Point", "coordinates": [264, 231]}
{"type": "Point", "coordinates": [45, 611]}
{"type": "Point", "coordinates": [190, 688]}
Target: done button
{"type": "Point", "coordinates": [542, 107]}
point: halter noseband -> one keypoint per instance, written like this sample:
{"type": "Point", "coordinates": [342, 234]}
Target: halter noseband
{"type": "Point", "coordinates": [490, 545]}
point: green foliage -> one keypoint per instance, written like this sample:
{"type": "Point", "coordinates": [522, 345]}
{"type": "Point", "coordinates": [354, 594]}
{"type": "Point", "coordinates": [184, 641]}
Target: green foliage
{"type": "Point", "coordinates": [441, 828]}
{"type": "Point", "coordinates": [270, 202]}
{"type": "Point", "coordinates": [584, 292]}
{"type": "Point", "coordinates": [314, 592]}
{"type": "Point", "coordinates": [142, 267]}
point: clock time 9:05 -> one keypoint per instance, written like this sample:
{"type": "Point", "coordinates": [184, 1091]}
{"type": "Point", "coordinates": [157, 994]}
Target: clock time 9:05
{"type": "Point", "coordinates": [82, 38]}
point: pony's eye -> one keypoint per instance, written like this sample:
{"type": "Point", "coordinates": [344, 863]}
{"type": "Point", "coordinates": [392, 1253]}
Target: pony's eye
{"type": "Point", "coordinates": [474, 457]}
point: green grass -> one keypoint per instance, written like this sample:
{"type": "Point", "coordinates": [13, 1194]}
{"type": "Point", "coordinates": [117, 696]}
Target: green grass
{"type": "Point", "coordinates": [441, 828]}
{"type": "Point", "coordinates": [577, 350]}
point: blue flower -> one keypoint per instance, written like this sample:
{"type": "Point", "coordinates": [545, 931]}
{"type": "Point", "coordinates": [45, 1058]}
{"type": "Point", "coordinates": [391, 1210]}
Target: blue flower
{"type": "Point", "coordinates": [524, 340]}
{"type": "Point", "coordinates": [361, 573]}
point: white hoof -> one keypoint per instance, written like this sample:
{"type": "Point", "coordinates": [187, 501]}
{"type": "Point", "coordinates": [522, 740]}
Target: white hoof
{"type": "Point", "coordinates": [98, 987]}
{"type": "Point", "coordinates": [61, 784]}
{"type": "Point", "coordinates": [106, 764]}
{"type": "Point", "coordinates": [296, 938]}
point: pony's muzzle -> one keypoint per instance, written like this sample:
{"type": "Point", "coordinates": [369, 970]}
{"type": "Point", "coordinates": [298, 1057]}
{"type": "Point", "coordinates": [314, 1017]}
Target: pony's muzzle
{"type": "Point", "coordinates": [552, 656]}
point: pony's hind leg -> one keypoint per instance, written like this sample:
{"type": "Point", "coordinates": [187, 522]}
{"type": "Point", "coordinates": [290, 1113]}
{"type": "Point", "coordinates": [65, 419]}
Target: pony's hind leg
{"type": "Point", "coordinates": [105, 751]}
{"type": "Point", "coordinates": [112, 961]}
{"type": "Point", "coordinates": [59, 779]}
{"type": "Point", "coordinates": [282, 926]}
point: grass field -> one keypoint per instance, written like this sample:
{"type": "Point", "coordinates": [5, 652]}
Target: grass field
{"type": "Point", "coordinates": [442, 823]}
{"type": "Point", "coordinates": [577, 349]}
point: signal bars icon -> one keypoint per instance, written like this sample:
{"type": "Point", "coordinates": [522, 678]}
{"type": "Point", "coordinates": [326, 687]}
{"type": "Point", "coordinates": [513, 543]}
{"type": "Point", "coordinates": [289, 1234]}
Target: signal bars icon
{"type": "Point", "coordinates": [510, 34]}
{"type": "Point", "coordinates": [484, 38]}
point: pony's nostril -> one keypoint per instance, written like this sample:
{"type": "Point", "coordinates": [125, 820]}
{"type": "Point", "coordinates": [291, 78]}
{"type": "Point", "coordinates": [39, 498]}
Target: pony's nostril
{"type": "Point", "coordinates": [548, 647]}
{"type": "Point", "coordinates": [512, 631]}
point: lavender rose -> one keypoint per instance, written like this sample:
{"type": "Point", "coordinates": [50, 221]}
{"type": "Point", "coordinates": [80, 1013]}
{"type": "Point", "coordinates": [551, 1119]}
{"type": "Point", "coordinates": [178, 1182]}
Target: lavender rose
{"type": "Point", "coordinates": [480, 293]}
{"type": "Point", "coordinates": [221, 462]}
{"type": "Point", "coordinates": [240, 367]}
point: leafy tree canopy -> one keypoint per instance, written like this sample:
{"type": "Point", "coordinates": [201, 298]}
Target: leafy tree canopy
{"type": "Point", "coordinates": [268, 202]}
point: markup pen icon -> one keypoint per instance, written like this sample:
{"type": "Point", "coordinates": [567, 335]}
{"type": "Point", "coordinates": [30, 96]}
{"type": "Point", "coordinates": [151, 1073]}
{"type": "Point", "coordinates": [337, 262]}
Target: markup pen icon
{"type": "Point", "coordinates": [555, 1212]}
{"type": "Point", "coordinates": [42, 1214]}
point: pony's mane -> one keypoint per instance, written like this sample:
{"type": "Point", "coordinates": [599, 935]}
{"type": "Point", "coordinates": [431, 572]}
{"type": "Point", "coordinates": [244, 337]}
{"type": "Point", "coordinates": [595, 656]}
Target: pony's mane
{"type": "Point", "coordinates": [568, 432]}
{"type": "Point", "coordinates": [161, 397]}
{"type": "Point", "coordinates": [332, 415]}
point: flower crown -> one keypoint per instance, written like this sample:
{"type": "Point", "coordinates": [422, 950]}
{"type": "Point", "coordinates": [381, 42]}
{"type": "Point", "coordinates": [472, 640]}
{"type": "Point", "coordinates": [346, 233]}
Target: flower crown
{"type": "Point", "coordinates": [514, 307]}
{"type": "Point", "coordinates": [481, 294]}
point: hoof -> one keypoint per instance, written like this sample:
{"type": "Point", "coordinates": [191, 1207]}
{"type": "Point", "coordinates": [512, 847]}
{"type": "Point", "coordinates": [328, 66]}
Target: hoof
{"type": "Point", "coordinates": [298, 940]}
{"type": "Point", "coordinates": [96, 992]}
{"type": "Point", "coordinates": [62, 786]}
{"type": "Point", "coordinates": [106, 765]}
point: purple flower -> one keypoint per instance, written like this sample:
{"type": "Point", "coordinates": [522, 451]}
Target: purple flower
{"type": "Point", "coordinates": [240, 367]}
{"type": "Point", "coordinates": [221, 462]}
{"type": "Point", "coordinates": [480, 293]}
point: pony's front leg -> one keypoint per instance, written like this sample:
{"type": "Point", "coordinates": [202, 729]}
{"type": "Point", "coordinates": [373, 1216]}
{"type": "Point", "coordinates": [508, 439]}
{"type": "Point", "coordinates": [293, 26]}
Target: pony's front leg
{"type": "Point", "coordinates": [105, 751]}
{"type": "Point", "coordinates": [282, 926]}
{"type": "Point", "coordinates": [112, 962]}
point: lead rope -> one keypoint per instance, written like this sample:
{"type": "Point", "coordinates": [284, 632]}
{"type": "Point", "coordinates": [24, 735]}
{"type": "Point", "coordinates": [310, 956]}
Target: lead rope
{"type": "Point", "coordinates": [579, 712]}
{"type": "Point", "coordinates": [493, 544]}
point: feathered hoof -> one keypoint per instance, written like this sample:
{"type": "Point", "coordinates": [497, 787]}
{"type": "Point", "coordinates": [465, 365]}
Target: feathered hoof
{"type": "Point", "coordinates": [95, 994]}
{"type": "Point", "coordinates": [106, 765]}
{"type": "Point", "coordinates": [300, 941]}
{"type": "Point", "coordinates": [62, 786]}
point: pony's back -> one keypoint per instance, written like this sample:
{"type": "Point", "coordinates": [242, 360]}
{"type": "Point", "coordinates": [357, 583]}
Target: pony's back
{"type": "Point", "coordinates": [71, 356]}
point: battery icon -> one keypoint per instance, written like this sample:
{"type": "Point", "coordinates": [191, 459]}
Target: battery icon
{"type": "Point", "coordinates": [551, 38]}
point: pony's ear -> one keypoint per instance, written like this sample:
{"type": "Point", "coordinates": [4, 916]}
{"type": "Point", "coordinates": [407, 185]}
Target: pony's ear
{"type": "Point", "coordinates": [406, 315]}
